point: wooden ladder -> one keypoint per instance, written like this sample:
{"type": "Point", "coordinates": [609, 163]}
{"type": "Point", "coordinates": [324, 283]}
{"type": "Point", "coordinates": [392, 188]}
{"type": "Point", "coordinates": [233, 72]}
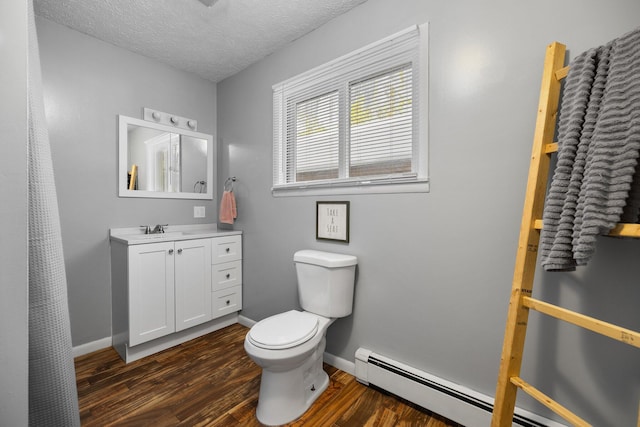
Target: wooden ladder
{"type": "Point", "coordinates": [521, 302]}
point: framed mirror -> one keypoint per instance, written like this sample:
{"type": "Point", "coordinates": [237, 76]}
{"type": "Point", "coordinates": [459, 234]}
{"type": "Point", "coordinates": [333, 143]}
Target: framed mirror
{"type": "Point", "coordinates": [163, 161]}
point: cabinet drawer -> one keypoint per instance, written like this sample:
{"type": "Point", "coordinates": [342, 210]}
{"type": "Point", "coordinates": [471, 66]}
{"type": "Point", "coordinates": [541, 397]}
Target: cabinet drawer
{"type": "Point", "coordinates": [226, 249]}
{"type": "Point", "coordinates": [226, 275]}
{"type": "Point", "coordinates": [226, 301]}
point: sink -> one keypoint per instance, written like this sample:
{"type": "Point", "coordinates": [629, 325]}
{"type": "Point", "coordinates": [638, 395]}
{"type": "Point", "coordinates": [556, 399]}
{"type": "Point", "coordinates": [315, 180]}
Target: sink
{"type": "Point", "coordinates": [156, 236]}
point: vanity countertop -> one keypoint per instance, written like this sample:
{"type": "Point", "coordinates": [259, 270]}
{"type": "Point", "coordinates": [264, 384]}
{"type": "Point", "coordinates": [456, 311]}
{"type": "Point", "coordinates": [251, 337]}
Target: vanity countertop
{"type": "Point", "coordinates": [136, 235]}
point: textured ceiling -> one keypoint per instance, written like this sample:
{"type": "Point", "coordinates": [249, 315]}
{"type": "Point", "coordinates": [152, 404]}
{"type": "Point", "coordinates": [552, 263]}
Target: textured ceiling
{"type": "Point", "coordinates": [213, 42]}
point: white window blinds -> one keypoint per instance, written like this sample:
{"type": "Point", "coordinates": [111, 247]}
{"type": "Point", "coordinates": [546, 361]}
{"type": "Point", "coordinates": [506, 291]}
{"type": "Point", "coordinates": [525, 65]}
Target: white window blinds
{"type": "Point", "coordinates": [315, 143]}
{"type": "Point", "coordinates": [381, 128]}
{"type": "Point", "coordinates": [357, 121]}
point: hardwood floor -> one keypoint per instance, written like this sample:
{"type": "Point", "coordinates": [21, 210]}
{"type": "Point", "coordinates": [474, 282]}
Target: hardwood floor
{"type": "Point", "coordinates": [210, 381]}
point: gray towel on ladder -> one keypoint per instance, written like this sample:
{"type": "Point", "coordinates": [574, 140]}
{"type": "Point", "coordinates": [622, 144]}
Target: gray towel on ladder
{"type": "Point", "coordinates": [599, 146]}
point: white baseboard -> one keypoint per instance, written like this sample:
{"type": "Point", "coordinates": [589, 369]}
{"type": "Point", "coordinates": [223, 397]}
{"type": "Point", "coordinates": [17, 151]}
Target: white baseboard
{"type": "Point", "coordinates": [338, 362]}
{"type": "Point", "coordinates": [131, 354]}
{"type": "Point", "coordinates": [245, 321]}
{"type": "Point", "coordinates": [90, 347]}
{"type": "Point", "coordinates": [106, 342]}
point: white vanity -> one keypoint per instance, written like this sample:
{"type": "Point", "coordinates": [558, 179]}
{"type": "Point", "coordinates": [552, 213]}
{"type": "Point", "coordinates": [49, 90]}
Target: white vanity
{"type": "Point", "coordinates": [171, 287]}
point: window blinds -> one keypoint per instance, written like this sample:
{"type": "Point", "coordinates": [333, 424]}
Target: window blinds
{"type": "Point", "coordinates": [353, 121]}
{"type": "Point", "coordinates": [381, 128]}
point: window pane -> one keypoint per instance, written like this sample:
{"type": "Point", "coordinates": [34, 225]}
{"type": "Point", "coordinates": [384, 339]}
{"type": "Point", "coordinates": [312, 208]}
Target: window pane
{"type": "Point", "coordinates": [316, 138]}
{"type": "Point", "coordinates": [355, 123]}
{"type": "Point", "coordinates": [381, 124]}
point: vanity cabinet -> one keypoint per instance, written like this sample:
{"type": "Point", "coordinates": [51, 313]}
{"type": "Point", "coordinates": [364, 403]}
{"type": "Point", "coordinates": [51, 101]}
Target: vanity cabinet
{"type": "Point", "coordinates": [167, 290]}
{"type": "Point", "coordinates": [226, 289]}
{"type": "Point", "coordinates": [169, 286]}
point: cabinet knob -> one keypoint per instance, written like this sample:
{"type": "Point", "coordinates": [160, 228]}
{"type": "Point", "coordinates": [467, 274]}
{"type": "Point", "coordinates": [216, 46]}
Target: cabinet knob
{"type": "Point", "coordinates": [228, 302]}
{"type": "Point", "coordinates": [170, 251]}
{"type": "Point", "coordinates": [227, 250]}
{"type": "Point", "coordinates": [228, 275]}
{"type": "Point", "coordinates": [180, 250]}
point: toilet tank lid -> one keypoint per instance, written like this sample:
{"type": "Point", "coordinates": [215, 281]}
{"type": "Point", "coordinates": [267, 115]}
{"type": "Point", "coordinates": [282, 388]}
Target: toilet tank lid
{"type": "Point", "coordinates": [324, 259]}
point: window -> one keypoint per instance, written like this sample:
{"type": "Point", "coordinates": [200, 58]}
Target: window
{"type": "Point", "coordinates": [356, 124]}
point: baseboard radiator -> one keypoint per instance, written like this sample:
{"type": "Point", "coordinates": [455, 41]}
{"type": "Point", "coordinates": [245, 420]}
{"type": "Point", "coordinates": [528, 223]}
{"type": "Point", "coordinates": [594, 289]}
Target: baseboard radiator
{"type": "Point", "coordinates": [435, 394]}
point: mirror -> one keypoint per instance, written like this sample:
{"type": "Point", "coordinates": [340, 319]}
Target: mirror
{"type": "Point", "coordinates": [163, 161]}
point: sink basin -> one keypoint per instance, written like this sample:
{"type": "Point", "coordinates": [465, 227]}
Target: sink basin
{"type": "Point", "coordinates": [157, 236]}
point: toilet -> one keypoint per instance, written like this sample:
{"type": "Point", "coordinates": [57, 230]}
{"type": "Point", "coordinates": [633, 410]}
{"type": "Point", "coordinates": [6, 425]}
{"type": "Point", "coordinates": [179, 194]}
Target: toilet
{"type": "Point", "coordinates": [289, 346]}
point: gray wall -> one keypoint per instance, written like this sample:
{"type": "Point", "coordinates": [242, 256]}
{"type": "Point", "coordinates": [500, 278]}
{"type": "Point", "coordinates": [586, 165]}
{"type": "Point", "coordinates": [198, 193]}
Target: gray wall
{"type": "Point", "coordinates": [14, 282]}
{"type": "Point", "coordinates": [87, 83]}
{"type": "Point", "coordinates": [435, 269]}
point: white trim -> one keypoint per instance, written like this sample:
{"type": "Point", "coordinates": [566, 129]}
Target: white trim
{"type": "Point", "coordinates": [106, 342]}
{"type": "Point", "coordinates": [410, 45]}
{"type": "Point", "coordinates": [90, 347]}
{"type": "Point", "coordinates": [338, 362]}
{"type": "Point", "coordinates": [246, 322]}
{"type": "Point", "coordinates": [407, 187]}
{"type": "Point", "coordinates": [343, 61]}
{"type": "Point", "coordinates": [423, 101]}
{"type": "Point", "coordinates": [131, 354]}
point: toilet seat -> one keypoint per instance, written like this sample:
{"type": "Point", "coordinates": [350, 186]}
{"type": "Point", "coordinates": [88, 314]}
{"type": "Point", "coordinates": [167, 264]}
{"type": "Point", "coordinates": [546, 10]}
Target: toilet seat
{"type": "Point", "coordinates": [284, 330]}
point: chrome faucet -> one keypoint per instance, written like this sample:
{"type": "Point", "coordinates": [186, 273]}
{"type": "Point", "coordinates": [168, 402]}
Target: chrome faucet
{"type": "Point", "coordinates": [159, 228]}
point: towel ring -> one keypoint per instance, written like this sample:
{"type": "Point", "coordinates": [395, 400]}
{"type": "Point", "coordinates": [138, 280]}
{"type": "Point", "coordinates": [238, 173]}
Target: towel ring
{"type": "Point", "coordinates": [228, 184]}
{"type": "Point", "coordinates": [200, 187]}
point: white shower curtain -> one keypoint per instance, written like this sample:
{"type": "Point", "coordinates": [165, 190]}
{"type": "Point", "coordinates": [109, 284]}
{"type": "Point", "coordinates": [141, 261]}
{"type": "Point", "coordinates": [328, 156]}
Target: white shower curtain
{"type": "Point", "coordinates": [53, 397]}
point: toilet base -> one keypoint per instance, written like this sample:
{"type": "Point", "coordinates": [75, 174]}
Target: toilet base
{"type": "Point", "coordinates": [285, 396]}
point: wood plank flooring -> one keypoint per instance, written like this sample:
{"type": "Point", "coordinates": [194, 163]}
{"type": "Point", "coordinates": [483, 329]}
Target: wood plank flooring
{"type": "Point", "coordinates": [210, 381]}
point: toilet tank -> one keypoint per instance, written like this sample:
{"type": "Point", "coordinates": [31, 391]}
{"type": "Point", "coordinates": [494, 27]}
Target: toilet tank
{"type": "Point", "coordinates": [326, 282]}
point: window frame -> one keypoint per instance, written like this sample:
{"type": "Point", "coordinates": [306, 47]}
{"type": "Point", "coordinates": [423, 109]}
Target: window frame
{"type": "Point", "coordinates": [407, 46]}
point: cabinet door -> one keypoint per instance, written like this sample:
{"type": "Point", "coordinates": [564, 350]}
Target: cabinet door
{"type": "Point", "coordinates": [193, 282]}
{"type": "Point", "coordinates": [151, 292]}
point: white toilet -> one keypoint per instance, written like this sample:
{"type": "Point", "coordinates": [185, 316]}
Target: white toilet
{"type": "Point", "coordinates": [289, 346]}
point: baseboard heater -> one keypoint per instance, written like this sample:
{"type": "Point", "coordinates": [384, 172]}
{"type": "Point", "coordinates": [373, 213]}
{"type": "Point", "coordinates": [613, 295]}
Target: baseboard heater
{"type": "Point", "coordinates": [435, 394]}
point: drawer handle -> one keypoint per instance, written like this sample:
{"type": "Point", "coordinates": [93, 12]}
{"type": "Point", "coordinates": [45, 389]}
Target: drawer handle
{"type": "Point", "coordinates": [228, 249]}
{"type": "Point", "coordinates": [228, 302]}
{"type": "Point", "coordinates": [228, 275]}
{"type": "Point", "coordinates": [170, 251]}
{"type": "Point", "coordinates": [180, 250]}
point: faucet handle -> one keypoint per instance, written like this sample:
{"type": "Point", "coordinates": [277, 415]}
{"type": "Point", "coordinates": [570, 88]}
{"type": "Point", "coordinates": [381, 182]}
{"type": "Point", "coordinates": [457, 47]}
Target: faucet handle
{"type": "Point", "coordinates": [159, 228]}
{"type": "Point", "coordinates": [147, 229]}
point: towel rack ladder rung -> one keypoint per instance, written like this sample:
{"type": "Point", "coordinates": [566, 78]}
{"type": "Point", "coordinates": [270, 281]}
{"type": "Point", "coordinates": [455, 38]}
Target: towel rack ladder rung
{"type": "Point", "coordinates": [607, 329]}
{"type": "Point", "coordinates": [549, 402]}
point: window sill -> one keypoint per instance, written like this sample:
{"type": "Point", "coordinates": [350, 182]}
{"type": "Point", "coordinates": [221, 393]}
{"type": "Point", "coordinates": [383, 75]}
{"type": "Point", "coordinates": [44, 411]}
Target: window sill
{"type": "Point", "coordinates": [421, 186]}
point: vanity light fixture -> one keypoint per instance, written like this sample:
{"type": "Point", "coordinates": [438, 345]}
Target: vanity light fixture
{"type": "Point", "coordinates": [169, 119]}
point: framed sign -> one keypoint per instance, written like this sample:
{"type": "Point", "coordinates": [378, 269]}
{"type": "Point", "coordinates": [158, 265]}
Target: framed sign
{"type": "Point", "coordinates": [332, 221]}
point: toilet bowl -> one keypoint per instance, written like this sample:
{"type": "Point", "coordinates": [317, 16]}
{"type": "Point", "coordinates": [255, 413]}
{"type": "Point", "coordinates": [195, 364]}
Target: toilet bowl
{"type": "Point", "coordinates": [289, 346]}
{"type": "Point", "coordinates": [292, 374]}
